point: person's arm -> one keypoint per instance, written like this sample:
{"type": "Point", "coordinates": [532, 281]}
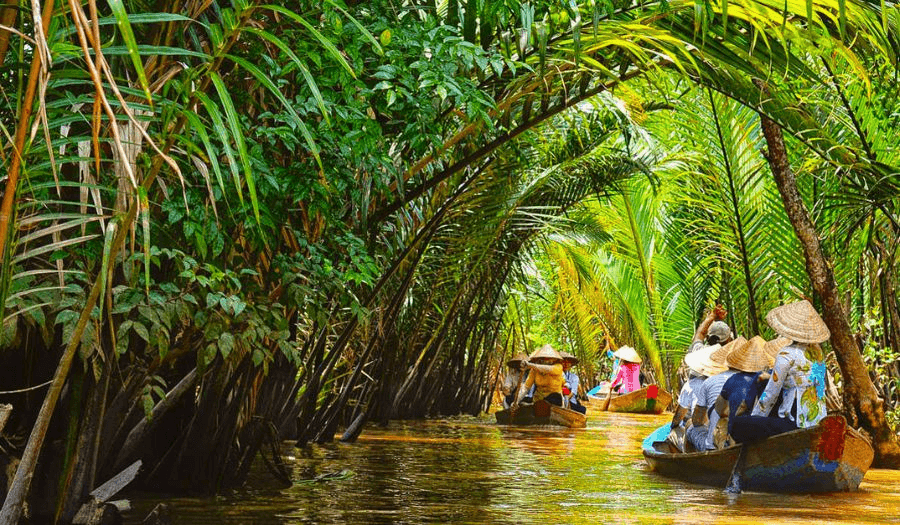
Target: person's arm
{"type": "Point", "coordinates": [620, 378]}
{"type": "Point", "coordinates": [717, 314]}
{"type": "Point", "coordinates": [680, 413]}
{"type": "Point", "coordinates": [523, 391]}
{"type": "Point", "coordinates": [699, 417]}
{"type": "Point", "coordinates": [771, 393]}
{"type": "Point", "coordinates": [546, 369]}
{"type": "Point", "coordinates": [721, 406]}
{"type": "Point", "coordinates": [700, 334]}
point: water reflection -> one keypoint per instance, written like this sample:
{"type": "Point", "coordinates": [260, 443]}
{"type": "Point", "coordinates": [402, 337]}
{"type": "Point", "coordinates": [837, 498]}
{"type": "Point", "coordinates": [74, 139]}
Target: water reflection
{"type": "Point", "coordinates": [468, 470]}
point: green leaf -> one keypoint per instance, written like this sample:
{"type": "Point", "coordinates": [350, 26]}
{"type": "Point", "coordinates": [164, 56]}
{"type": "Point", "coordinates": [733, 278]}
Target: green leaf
{"type": "Point", "coordinates": [226, 344]}
{"type": "Point", "coordinates": [219, 126]}
{"type": "Point", "coordinates": [307, 76]}
{"type": "Point", "coordinates": [238, 136]}
{"type": "Point", "coordinates": [267, 82]}
{"type": "Point", "coordinates": [141, 330]}
{"type": "Point", "coordinates": [212, 298]}
{"type": "Point", "coordinates": [118, 9]}
{"type": "Point", "coordinates": [325, 42]}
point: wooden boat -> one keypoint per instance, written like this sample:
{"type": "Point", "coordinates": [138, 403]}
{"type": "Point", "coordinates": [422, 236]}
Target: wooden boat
{"type": "Point", "coordinates": [648, 400]}
{"type": "Point", "coordinates": [829, 457]}
{"type": "Point", "coordinates": [542, 413]}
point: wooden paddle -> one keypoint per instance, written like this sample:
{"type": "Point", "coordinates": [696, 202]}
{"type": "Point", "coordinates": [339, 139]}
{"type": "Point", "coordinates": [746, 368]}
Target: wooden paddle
{"type": "Point", "coordinates": [737, 473]}
{"type": "Point", "coordinates": [514, 406]}
{"type": "Point", "coordinates": [605, 405]}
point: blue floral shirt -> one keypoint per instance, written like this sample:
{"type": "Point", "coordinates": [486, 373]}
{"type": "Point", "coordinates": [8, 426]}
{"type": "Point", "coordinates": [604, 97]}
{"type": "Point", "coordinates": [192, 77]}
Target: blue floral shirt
{"type": "Point", "coordinates": [796, 378]}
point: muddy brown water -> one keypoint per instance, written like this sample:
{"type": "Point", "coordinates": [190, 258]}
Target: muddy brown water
{"type": "Point", "coordinates": [468, 470]}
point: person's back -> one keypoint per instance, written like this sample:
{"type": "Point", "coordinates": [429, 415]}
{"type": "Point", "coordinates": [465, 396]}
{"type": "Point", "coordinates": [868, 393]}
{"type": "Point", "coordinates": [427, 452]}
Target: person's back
{"type": "Point", "coordinates": [546, 375]}
{"type": "Point", "coordinates": [797, 380]}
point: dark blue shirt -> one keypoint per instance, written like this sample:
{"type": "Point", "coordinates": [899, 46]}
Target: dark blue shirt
{"type": "Point", "coordinates": [741, 391]}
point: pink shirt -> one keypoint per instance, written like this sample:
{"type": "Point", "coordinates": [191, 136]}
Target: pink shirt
{"type": "Point", "coordinates": [630, 377]}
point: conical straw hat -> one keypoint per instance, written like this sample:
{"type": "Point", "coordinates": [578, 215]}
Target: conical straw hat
{"type": "Point", "coordinates": [566, 356]}
{"type": "Point", "coordinates": [699, 361]}
{"type": "Point", "coordinates": [547, 352]}
{"type": "Point", "coordinates": [798, 322]}
{"type": "Point", "coordinates": [720, 355]}
{"type": "Point", "coordinates": [517, 359]}
{"type": "Point", "coordinates": [750, 356]}
{"type": "Point", "coordinates": [626, 353]}
{"type": "Point", "coordinates": [775, 345]}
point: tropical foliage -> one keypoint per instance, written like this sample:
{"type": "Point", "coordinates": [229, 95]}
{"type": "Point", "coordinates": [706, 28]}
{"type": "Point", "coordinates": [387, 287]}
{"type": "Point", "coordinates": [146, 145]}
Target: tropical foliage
{"type": "Point", "coordinates": [229, 224]}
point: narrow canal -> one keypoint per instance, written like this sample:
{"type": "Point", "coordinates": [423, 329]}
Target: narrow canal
{"type": "Point", "coordinates": [468, 470]}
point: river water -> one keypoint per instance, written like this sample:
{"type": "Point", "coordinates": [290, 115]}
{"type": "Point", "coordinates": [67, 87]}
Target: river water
{"type": "Point", "coordinates": [468, 470]}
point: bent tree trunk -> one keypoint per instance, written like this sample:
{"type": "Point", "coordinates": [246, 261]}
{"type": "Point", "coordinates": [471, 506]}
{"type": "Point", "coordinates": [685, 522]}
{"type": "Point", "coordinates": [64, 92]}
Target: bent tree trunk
{"type": "Point", "coordinates": [861, 402]}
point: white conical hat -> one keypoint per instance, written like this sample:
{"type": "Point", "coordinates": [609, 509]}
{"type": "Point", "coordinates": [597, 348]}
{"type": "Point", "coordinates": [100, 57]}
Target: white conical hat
{"type": "Point", "coordinates": [798, 322]}
{"type": "Point", "coordinates": [517, 359]}
{"type": "Point", "coordinates": [626, 353]}
{"type": "Point", "coordinates": [547, 352]}
{"type": "Point", "coordinates": [569, 357]}
{"type": "Point", "coordinates": [700, 362]}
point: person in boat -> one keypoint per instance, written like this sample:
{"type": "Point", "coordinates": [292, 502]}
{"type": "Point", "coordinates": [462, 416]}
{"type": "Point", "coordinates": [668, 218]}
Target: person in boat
{"type": "Point", "coordinates": [704, 417]}
{"type": "Point", "coordinates": [713, 330]}
{"type": "Point", "coordinates": [739, 393]}
{"type": "Point", "coordinates": [628, 379]}
{"type": "Point", "coordinates": [571, 382]}
{"type": "Point", "coordinates": [515, 378]}
{"type": "Point", "coordinates": [797, 380]}
{"type": "Point", "coordinates": [700, 366]}
{"type": "Point", "coordinates": [545, 375]}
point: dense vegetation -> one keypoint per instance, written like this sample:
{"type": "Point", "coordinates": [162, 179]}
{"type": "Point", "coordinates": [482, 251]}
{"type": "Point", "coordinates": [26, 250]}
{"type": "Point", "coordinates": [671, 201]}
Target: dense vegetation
{"type": "Point", "coordinates": [226, 224]}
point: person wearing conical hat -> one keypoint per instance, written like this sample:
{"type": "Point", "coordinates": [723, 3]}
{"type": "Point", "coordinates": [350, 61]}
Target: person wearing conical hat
{"type": "Point", "coordinates": [571, 382]}
{"type": "Point", "coordinates": [704, 418]}
{"type": "Point", "coordinates": [700, 366]}
{"type": "Point", "coordinates": [545, 375]}
{"type": "Point", "coordinates": [739, 393]}
{"type": "Point", "coordinates": [798, 377]}
{"type": "Point", "coordinates": [514, 380]}
{"type": "Point", "coordinates": [628, 378]}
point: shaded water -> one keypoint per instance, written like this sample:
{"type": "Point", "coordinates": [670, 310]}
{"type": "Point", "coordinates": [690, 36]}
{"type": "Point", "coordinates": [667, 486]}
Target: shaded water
{"type": "Point", "coordinates": [468, 470]}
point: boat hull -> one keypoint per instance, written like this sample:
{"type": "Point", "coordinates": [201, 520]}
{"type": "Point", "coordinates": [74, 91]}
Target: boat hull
{"type": "Point", "coordinates": [830, 457]}
{"type": "Point", "coordinates": [542, 414]}
{"type": "Point", "coordinates": [648, 400]}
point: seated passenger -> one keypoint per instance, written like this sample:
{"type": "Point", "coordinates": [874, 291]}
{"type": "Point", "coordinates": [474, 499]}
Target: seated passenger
{"type": "Point", "coordinates": [628, 378]}
{"type": "Point", "coordinates": [700, 366]}
{"type": "Point", "coordinates": [570, 386]}
{"type": "Point", "coordinates": [739, 393]}
{"type": "Point", "coordinates": [546, 375]}
{"type": "Point", "coordinates": [515, 378]}
{"type": "Point", "coordinates": [704, 417]}
{"type": "Point", "coordinates": [798, 378]}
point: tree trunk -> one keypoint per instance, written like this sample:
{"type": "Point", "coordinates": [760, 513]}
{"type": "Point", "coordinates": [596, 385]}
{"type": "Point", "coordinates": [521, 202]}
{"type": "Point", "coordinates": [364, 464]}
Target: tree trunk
{"type": "Point", "coordinates": [861, 402]}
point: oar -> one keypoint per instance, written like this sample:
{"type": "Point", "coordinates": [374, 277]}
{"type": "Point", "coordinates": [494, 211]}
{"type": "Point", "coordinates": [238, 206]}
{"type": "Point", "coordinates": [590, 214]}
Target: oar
{"type": "Point", "coordinates": [605, 406]}
{"type": "Point", "coordinates": [737, 474]}
{"type": "Point", "coordinates": [514, 407]}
